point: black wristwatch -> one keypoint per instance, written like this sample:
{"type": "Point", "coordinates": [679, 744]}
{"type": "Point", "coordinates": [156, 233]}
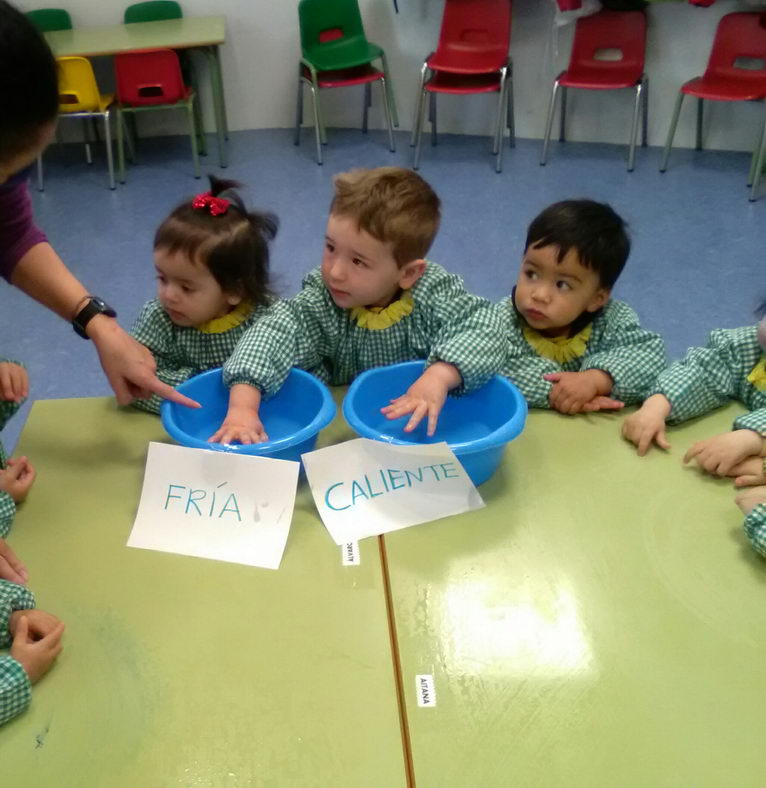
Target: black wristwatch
{"type": "Point", "coordinates": [93, 306]}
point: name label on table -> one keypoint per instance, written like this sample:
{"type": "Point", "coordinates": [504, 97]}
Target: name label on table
{"type": "Point", "coordinates": [363, 487]}
{"type": "Point", "coordinates": [350, 554]}
{"type": "Point", "coordinates": [213, 504]}
{"type": "Point", "coordinates": [426, 690]}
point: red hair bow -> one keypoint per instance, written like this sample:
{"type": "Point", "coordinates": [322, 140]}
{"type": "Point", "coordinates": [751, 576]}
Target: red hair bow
{"type": "Point", "coordinates": [217, 205]}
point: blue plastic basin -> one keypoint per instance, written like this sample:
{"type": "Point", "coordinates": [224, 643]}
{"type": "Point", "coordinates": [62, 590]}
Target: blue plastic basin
{"type": "Point", "coordinates": [292, 418]}
{"type": "Point", "coordinates": [476, 426]}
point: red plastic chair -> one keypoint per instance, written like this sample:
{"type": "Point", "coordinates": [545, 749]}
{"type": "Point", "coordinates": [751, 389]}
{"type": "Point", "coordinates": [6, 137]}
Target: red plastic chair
{"type": "Point", "coordinates": [739, 37]}
{"type": "Point", "coordinates": [471, 57]}
{"type": "Point", "coordinates": [622, 32]}
{"type": "Point", "coordinates": [150, 80]}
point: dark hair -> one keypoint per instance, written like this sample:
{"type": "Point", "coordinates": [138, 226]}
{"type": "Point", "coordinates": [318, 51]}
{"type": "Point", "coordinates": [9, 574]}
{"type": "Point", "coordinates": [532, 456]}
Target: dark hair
{"type": "Point", "coordinates": [234, 245]}
{"type": "Point", "coordinates": [593, 229]}
{"type": "Point", "coordinates": [28, 82]}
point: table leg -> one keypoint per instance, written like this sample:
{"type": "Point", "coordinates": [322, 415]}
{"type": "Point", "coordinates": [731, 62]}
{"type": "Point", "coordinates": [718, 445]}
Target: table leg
{"type": "Point", "coordinates": [219, 109]}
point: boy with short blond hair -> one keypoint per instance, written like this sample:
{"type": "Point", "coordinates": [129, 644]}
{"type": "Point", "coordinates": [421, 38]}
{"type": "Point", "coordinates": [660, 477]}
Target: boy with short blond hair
{"type": "Point", "coordinates": [375, 300]}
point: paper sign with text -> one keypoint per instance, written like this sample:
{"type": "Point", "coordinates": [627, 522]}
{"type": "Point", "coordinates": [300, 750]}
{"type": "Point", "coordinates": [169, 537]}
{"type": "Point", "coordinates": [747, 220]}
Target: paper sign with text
{"type": "Point", "coordinates": [364, 487]}
{"type": "Point", "coordinates": [214, 504]}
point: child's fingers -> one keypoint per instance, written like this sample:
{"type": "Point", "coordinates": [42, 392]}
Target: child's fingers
{"type": "Point", "coordinates": [433, 419]}
{"type": "Point", "coordinates": [6, 388]}
{"type": "Point", "coordinates": [552, 377]}
{"type": "Point", "coordinates": [417, 417]}
{"type": "Point", "coordinates": [404, 406]}
{"type": "Point", "coordinates": [21, 637]}
{"type": "Point", "coordinates": [644, 442]}
{"type": "Point", "coordinates": [694, 450]}
{"type": "Point", "coordinates": [52, 641]}
{"type": "Point", "coordinates": [661, 440]}
{"type": "Point", "coordinates": [747, 481]}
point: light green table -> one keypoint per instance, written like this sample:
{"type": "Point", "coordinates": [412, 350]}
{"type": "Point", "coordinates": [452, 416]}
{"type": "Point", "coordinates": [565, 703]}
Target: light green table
{"type": "Point", "coordinates": [179, 671]}
{"type": "Point", "coordinates": [204, 33]}
{"type": "Point", "coordinates": [601, 623]}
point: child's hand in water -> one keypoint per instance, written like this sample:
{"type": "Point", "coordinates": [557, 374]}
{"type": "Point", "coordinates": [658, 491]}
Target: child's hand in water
{"type": "Point", "coordinates": [17, 478]}
{"type": "Point", "coordinates": [571, 391]}
{"type": "Point", "coordinates": [721, 453]}
{"type": "Point", "coordinates": [14, 382]}
{"type": "Point", "coordinates": [425, 397]}
{"type": "Point", "coordinates": [647, 424]}
{"type": "Point", "coordinates": [242, 424]}
{"type": "Point", "coordinates": [748, 499]}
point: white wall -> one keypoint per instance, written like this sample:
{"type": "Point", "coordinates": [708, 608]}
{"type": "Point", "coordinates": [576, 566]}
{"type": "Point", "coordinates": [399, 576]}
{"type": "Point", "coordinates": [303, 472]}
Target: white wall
{"type": "Point", "coordinates": [260, 66]}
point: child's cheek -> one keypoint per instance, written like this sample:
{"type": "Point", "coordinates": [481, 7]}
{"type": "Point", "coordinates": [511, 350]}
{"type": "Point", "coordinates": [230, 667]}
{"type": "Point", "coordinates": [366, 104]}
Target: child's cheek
{"type": "Point", "coordinates": [762, 334]}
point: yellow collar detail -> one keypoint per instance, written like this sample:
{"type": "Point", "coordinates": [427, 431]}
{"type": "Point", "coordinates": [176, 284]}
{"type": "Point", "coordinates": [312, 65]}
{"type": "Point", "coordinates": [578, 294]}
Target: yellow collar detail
{"type": "Point", "coordinates": [559, 349]}
{"type": "Point", "coordinates": [379, 317]}
{"type": "Point", "coordinates": [237, 316]}
{"type": "Point", "coordinates": [758, 376]}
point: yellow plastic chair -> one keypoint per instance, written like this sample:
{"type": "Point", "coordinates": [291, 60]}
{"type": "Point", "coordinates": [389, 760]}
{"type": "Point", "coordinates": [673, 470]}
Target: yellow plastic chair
{"type": "Point", "coordinates": [79, 97]}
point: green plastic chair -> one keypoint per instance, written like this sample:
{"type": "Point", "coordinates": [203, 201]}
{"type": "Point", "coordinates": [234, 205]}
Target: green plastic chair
{"type": "Point", "coordinates": [153, 11]}
{"type": "Point", "coordinates": [49, 20]}
{"type": "Point", "coordinates": [333, 39]}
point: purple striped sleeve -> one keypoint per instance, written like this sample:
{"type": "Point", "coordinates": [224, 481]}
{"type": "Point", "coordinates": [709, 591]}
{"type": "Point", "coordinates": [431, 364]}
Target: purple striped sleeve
{"type": "Point", "coordinates": [18, 231]}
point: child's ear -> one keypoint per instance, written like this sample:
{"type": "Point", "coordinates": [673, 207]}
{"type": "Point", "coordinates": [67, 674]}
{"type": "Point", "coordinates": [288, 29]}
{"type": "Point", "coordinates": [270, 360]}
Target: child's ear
{"type": "Point", "coordinates": [410, 273]}
{"type": "Point", "coordinates": [234, 299]}
{"type": "Point", "coordinates": [599, 299]}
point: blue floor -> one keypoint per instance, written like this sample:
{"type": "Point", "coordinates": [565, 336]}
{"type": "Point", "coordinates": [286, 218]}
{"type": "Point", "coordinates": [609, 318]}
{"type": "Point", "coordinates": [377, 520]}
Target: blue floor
{"type": "Point", "coordinates": [697, 260]}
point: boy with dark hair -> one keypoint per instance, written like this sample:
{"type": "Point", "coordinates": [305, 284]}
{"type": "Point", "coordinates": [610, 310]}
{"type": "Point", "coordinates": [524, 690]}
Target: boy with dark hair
{"type": "Point", "coordinates": [570, 346]}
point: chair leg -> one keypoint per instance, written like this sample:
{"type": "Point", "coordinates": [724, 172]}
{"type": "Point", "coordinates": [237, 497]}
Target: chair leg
{"type": "Point", "coordinates": [509, 108]}
{"type": "Point", "coordinates": [418, 101]}
{"type": "Point", "coordinates": [698, 144]}
{"type": "Point", "coordinates": [367, 102]}
{"type": "Point", "coordinates": [121, 145]}
{"type": "Point", "coordinates": [299, 112]}
{"type": "Point", "coordinates": [645, 117]}
{"type": "Point", "coordinates": [759, 163]}
{"type": "Point", "coordinates": [193, 135]}
{"type": "Point", "coordinates": [40, 182]}
{"type": "Point", "coordinates": [318, 112]}
{"type": "Point", "coordinates": [387, 111]}
{"type": "Point", "coordinates": [754, 157]}
{"type": "Point", "coordinates": [671, 132]}
{"type": "Point", "coordinates": [129, 143]}
{"type": "Point", "coordinates": [108, 143]}
{"type": "Point", "coordinates": [549, 123]}
{"type": "Point", "coordinates": [86, 137]}
{"type": "Point", "coordinates": [634, 127]}
{"type": "Point", "coordinates": [563, 118]}
{"type": "Point", "coordinates": [418, 130]}
{"type": "Point", "coordinates": [432, 118]}
{"type": "Point", "coordinates": [199, 120]}
{"type": "Point", "coordinates": [500, 120]}
{"type": "Point", "coordinates": [390, 100]}
{"type": "Point", "coordinates": [317, 121]}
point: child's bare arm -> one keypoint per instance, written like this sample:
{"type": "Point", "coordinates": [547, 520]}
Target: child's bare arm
{"type": "Point", "coordinates": [242, 423]}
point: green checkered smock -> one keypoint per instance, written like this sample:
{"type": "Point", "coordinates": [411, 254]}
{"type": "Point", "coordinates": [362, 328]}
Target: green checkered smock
{"type": "Point", "coordinates": [755, 528]}
{"type": "Point", "coordinates": [618, 345]}
{"type": "Point", "coordinates": [309, 331]}
{"type": "Point", "coordinates": [15, 687]}
{"type": "Point", "coordinates": [7, 504]}
{"type": "Point", "coordinates": [711, 376]}
{"type": "Point", "coordinates": [181, 352]}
